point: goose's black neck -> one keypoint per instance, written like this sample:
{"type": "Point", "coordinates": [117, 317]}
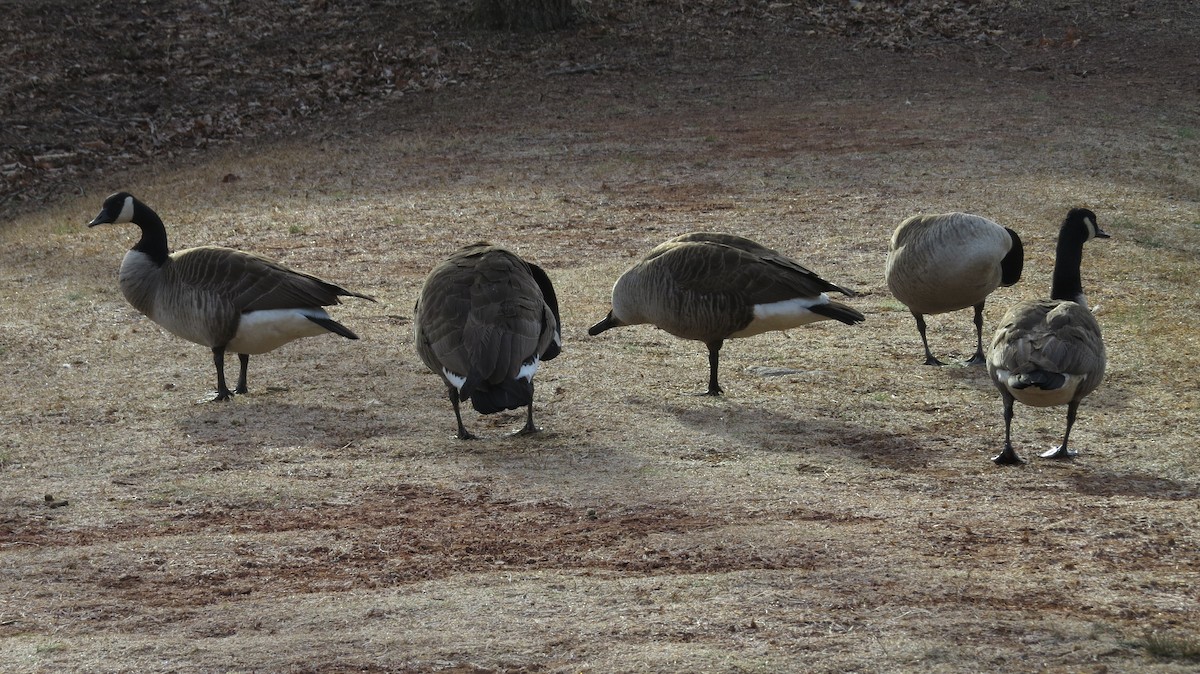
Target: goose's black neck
{"type": "Point", "coordinates": [1066, 283]}
{"type": "Point", "coordinates": [154, 235]}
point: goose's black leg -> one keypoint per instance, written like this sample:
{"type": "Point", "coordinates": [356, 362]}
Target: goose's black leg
{"type": "Point", "coordinates": [1008, 457]}
{"type": "Point", "coordinates": [929, 359]}
{"type": "Point", "coordinates": [223, 392]}
{"type": "Point", "coordinates": [978, 358]}
{"type": "Point", "coordinates": [529, 427]}
{"type": "Point", "coordinates": [244, 359]}
{"type": "Point", "coordinates": [714, 361]}
{"type": "Point", "coordinates": [1061, 452]}
{"type": "Point", "coordinates": [462, 434]}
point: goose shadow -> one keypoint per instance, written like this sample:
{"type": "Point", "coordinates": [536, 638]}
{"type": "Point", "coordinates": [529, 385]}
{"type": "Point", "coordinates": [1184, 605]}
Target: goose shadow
{"type": "Point", "coordinates": [788, 434]}
{"type": "Point", "coordinates": [243, 427]}
{"type": "Point", "coordinates": [242, 431]}
{"type": "Point", "coordinates": [1106, 484]}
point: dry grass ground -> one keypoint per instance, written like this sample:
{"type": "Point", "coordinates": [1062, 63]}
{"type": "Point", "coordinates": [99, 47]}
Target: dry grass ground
{"type": "Point", "coordinates": [841, 517]}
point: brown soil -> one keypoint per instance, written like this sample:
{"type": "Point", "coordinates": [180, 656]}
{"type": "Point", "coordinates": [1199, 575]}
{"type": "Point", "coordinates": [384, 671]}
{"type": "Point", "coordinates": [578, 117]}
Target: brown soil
{"type": "Point", "coordinates": [835, 512]}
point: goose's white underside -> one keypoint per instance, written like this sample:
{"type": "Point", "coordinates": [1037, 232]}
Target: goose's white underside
{"type": "Point", "coordinates": [456, 380]}
{"type": "Point", "coordinates": [528, 369]}
{"type": "Point", "coordinates": [263, 331]}
{"type": "Point", "coordinates": [1036, 397]}
{"type": "Point", "coordinates": [526, 372]}
{"type": "Point", "coordinates": [783, 315]}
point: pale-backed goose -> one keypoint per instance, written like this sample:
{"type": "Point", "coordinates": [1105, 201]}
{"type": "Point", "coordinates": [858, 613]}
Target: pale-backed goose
{"type": "Point", "coordinates": [221, 298]}
{"type": "Point", "coordinates": [484, 322]}
{"type": "Point", "coordinates": [712, 287]}
{"type": "Point", "coordinates": [942, 263]}
{"type": "Point", "coordinates": [1050, 352]}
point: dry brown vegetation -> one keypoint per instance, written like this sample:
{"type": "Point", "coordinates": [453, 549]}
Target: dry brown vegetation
{"type": "Point", "coordinates": [836, 511]}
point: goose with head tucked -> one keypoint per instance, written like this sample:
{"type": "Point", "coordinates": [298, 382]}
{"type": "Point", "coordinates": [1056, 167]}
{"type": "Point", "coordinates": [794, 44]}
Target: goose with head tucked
{"type": "Point", "coordinates": [485, 320]}
{"type": "Point", "coordinates": [711, 287]}
{"type": "Point", "coordinates": [222, 298]}
{"type": "Point", "coordinates": [942, 263]}
{"type": "Point", "coordinates": [1050, 352]}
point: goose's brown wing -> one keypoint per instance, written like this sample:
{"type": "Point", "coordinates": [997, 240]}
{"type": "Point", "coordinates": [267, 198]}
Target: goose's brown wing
{"type": "Point", "coordinates": [1050, 335]}
{"type": "Point", "coordinates": [482, 316]}
{"type": "Point", "coordinates": [251, 282]}
{"type": "Point", "coordinates": [805, 280]}
{"type": "Point", "coordinates": [552, 339]}
{"type": "Point", "coordinates": [709, 268]}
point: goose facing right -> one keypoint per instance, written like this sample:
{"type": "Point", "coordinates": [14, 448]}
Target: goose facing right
{"type": "Point", "coordinates": [711, 287]}
{"type": "Point", "coordinates": [1050, 352]}
{"type": "Point", "coordinates": [484, 321]}
{"type": "Point", "coordinates": [942, 263]}
{"type": "Point", "coordinates": [222, 298]}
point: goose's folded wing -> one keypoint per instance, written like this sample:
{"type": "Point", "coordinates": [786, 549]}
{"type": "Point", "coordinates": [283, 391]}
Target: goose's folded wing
{"type": "Point", "coordinates": [440, 316]}
{"type": "Point", "coordinates": [804, 279]}
{"type": "Point", "coordinates": [1072, 339]}
{"type": "Point", "coordinates": [551, 339]}
{"type": "Point", "coordinates": [506, 323]}
{"type": "Point", "coordinates": [483, 316]}
{"type": "Point", "coordinates": [498, 344]}
{"type": "Point", "coordinates": [717, 269]}
{"type": "Point", "coordinates": [1055, 336]}
{"type": "Point", "coordinates": [251, 282]}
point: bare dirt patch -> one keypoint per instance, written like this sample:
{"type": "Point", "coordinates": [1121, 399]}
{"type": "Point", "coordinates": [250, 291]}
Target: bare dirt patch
{"type": "Point", "coordinates": [836, 511]}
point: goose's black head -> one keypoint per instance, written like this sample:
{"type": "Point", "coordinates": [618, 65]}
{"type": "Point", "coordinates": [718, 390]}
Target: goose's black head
{"type": "Point", "coordinates": [118, 208]}
{"type": "Point", "coordinates": [1081, 221]}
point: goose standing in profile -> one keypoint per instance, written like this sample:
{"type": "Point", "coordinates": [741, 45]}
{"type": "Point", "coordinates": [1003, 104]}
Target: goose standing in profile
{"type": "Point", "coordinates": [1050, 352]}
{"type": "Point", "coordinates": [221, 298]}
{"type": "Point", "coordinates": [712, 287]}
{"type": "Point", "coordinates": [485, 320]}
{"type": "Point", "coordinates": [942, 263]}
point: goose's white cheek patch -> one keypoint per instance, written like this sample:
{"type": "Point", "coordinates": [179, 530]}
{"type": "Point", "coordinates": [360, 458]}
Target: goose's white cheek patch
{"type": "Point", "coordinates": [126, 211]}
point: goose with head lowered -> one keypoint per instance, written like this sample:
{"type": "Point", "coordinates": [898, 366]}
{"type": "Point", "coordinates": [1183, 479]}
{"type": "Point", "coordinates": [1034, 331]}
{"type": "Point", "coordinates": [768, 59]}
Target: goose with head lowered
{"type": "Point", "coordinates": [225, 299]}
{"type": "Point", "coordinates": [484, 321]}
{"type": "Point", "coordinates": [942, 263]}
{"type": "Point", "coordinates": [712, 287]}
{"type": "Point", "coordinates": [1050, 352]}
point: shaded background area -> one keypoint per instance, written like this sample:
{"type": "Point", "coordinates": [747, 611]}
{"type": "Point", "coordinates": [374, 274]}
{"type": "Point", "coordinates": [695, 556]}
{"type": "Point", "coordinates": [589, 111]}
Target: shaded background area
{"type": "Point", "coordinates": [91, 87]}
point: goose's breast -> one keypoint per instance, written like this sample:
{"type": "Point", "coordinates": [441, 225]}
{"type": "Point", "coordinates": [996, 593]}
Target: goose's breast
{"type": "Point", "coordinates": [263, 331]}
{"type": "Point", "coordinates": [197, 316]}
{"type": "Point", "coordinates": [946, 286]}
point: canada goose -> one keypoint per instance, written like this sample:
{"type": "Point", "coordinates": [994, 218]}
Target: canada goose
{"type": "Point", "coordinates": [221, 298]}
{"type": "Point", "coordinates": [1050, 352]}
{"type": "Point", "coordinates": [712, 287]}
{"type": "Point", "coordinates": [484, 322]}
{"type": "Point", "coordinates": [942, 263]}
